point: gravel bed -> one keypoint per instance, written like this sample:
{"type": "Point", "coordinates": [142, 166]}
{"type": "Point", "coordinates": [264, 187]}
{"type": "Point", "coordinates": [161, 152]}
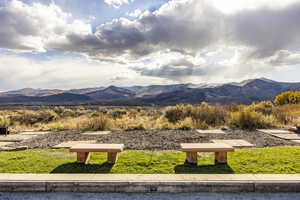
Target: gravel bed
{"type": "Point", "coordinates": [155, 139]}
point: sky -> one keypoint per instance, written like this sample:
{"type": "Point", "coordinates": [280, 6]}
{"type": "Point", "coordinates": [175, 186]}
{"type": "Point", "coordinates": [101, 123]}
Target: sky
{"type": "Point", "coordinates": [67, 44]}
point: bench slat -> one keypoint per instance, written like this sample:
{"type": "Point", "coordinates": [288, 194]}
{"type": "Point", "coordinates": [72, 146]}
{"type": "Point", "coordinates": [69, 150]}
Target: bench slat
{"type": "Point", "coordinates": [97, 148]}
{"type": "Point", "coordinates": [206, 147]}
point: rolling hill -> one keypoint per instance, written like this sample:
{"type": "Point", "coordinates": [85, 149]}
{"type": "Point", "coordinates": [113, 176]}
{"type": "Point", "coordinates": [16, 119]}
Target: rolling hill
{"type": "Point", "coordinates": [243, 92]}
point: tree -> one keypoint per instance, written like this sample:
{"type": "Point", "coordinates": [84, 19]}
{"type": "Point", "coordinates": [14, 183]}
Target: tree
{"type": "Point", "coordinates": [287, 98]}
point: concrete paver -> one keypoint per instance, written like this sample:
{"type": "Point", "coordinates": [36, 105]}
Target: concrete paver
{"type": "Point", "coordinates": [297, 141]}
{"type": "Point", "coordinates": [96, 133]}
{"type": "Point", "coordinates": [275, 131]}
{"type": "Point", "coordinates": [150, 177]}
{"type": "Point", "coordinates": [34, 132]}
{"type": "Point", "coordinates": [235, 143]}
{"type": "Point", "coordinates": [69, 144]}
{"type": "Point", "coordinates": [213, 131]}
{"type": "Point", "coordinates": [3, 144]}
{"type": "Point", "coordinates": [15, 138]}
{"type": "Point", "coordinates": [287, 136]}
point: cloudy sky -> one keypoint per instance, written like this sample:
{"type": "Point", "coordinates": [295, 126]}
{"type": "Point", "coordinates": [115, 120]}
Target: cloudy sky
{"type": "Point", "coordinates": [75, 43]}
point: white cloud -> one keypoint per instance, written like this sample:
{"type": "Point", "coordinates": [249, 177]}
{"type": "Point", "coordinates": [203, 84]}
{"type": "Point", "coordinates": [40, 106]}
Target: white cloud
{"type": "Point", "coordinates": [135, 13]}
{"type": "Point", "coordinates": [30, 27]}
{"type": "Point", "coordinates": [65, 73]}
{"type": "Point", "coordinates": [198, 40]}
{"type": "Point", "coordinates": [117, 3]}
{"type": "Point", "coordinates": [232, 6]}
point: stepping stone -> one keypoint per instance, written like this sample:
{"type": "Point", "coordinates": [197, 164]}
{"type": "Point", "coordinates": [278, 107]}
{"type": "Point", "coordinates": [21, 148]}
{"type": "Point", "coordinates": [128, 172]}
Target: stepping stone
{"type": "Point", "coordinates": [34, 132]}
{"type": "Point", "coordinates": [214, 131]}
{"type": "Point", "coordinates": [3, 144]}
{"type": "Point", "coordinates": [96, 133]}
{"type": "Point", "coordinates": [275, 131]}
{"type": "Point", "coordinates": [20, 148]}
{"type": "Point", "coordinates": [235, 143]}
{"type": "Point", "coordinates": [15, 138]}
{"type": "Point", "coordinates": [287, 136]}
{"type": "Point", "coordinates": [72, 143]}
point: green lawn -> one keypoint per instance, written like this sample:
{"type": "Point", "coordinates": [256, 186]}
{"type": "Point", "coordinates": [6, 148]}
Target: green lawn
{"type": "Point", "coordinates": [260, 160]}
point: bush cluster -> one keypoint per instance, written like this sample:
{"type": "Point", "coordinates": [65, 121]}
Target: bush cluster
{"type": "Point", "coordinates": [202, 115]}
{"type": "Point", "coordinates": [30, 117]}
{"type": "Point", "coordinates": [4, 122]}
{"type": "Point", "coordinates": [287, 98]}
{"type": "Point", "coordinates": [248, 119]}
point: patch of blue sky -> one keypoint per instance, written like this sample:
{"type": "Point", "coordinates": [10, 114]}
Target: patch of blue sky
{"type": "Point", "coordinates": [41, 56]}
{"type": "Point", "coordinates": [99, 10]}
{"type": "Point", "coordinates": [85, 9]}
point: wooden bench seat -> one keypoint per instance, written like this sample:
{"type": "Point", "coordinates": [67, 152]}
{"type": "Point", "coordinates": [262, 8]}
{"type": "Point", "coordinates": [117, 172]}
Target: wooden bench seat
{"type": "Point", "coordinates": [83, 151]}
{"type": "Point", "coordinates": [220, 150]}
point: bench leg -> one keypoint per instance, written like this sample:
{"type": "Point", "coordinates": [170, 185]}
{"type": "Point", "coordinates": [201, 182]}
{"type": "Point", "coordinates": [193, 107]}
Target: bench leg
{"type": "Point", "coordinates": [220, 157]}
{"type": "Point", "coordinates": [112, 157]}
{"type": "Point", "coordinates": [83, 157]}
{"type": "Point", "coordinates": [191, 157]}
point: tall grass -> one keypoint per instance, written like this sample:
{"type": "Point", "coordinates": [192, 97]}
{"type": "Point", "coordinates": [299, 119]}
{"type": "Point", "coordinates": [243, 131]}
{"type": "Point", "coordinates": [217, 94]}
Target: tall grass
{"type": "Point", "coordinates": [184, 117]}
{"type": "Point", "coordinates": [248, 119]}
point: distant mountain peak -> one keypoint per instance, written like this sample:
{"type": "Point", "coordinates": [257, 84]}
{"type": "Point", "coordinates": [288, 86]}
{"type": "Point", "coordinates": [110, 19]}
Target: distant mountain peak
{"type": "Point", "coordinates": [245, 91]}
{"type": "Point", "coordinates": [267, 80]}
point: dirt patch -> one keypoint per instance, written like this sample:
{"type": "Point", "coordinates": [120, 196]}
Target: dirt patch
{"type": "Point", "coordinates": [152, 139]}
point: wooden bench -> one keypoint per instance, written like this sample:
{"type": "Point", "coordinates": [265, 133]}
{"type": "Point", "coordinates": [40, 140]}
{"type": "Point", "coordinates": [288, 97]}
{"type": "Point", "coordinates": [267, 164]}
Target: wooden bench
{"type": "Point", "coordinates": [83, 151]}
{"type": "Point", "coordinates": [192, 149]}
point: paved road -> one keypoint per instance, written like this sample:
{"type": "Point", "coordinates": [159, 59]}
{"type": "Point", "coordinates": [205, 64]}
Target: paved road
{"type": "Point", "coordinates": [196, 196]}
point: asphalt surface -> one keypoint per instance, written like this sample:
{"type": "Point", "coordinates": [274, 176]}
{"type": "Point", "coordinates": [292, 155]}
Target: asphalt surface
{"type": "Point", "coordinates": [150, 196]}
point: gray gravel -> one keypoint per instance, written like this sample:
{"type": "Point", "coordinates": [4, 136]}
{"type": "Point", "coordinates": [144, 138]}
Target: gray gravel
{"type": "Point", "coordinates": [155, 139]}
{"type": "Point", "coordinates": [183, 196]}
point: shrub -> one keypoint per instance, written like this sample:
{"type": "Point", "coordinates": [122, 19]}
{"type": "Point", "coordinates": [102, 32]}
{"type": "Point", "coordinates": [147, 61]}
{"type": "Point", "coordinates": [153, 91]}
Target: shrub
{"type": "Point", "coordinates": [162, 123]}
{"type": "Point", "coordinates": [4, 122]}
{"type": "Point", "coordinates": [136, 127]}
{"type": "Point", "coordinates": [287, 98]}
{"type": "Point", "coordinates": [264, 107]}
{"type": "Point", "coordinates": [46, 116]}
{"type": "Point", "coordinates": [186, 124]}
{"type": "Point", "coordinates": [118, 113]}
{"type": "Point", "coordinates": [29, 117]}
{"type": "Point", "coordinates": [247, 119]}
{"type": "Point", "coordinates": [100, 123]}
{"type": "Point", "coordinates": [175, 113]}
{"type": "Point", "coordinates": [200, 124]}
{"type": "Point", "coordinates": [204, 113]}
{"type": "Point", "coordinates": [210, 115]}
{"type": "Point", "coordinates": [285, 114]}
{"type": "Point", "coordinates": [233, 107]}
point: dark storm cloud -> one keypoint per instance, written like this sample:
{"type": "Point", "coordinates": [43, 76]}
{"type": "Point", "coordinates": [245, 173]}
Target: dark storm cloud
{"type": "Point", "coordinates": [13, 28]}
{"type": "Point", "coordinates": [188, 27]}
{"type": "Point", "coordinates": [172, 28]}
{"type": "Point", "coordinates": [176, 69]}
{"type": "Point", "coordinates": [267, 30]}
{"type": "Point", "coordinates": [264, 30]}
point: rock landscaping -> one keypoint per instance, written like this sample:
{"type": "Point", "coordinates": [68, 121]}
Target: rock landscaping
{"type": "Point", "coordinates": [155, 140]}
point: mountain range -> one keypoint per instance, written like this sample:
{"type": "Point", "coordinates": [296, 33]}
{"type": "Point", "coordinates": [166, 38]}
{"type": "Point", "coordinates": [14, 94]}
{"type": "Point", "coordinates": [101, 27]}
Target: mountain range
{"type": "Point", "coordinates": [244, 92]}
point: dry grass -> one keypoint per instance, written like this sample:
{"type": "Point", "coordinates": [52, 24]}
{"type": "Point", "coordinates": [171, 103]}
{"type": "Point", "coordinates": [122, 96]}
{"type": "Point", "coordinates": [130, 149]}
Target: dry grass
{"type": "Point", "coordinates": [184, 117]}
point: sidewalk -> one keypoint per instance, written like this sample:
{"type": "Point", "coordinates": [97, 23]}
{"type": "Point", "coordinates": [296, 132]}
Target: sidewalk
{"type": "Point", "coordinates": [129, 183]}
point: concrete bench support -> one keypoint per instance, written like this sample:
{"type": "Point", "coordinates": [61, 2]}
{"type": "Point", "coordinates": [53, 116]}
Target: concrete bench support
{"type": "Point", "coordinates": [83, 157]}
{"type": "Point", "coordinates": [112, 157]}
{"type": "Point", "coordinates": [220, 157]}
{"type": "Point", "coordinates": [83, 151]}
{"type": "Point", "coordinates": [220, 150]}
{"type": "Point", "coordinates": [191, 157]}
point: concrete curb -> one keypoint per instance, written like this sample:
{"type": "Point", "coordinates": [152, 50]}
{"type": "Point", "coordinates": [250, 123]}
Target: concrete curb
{"type": "Point", "coordinates": [43, 184]}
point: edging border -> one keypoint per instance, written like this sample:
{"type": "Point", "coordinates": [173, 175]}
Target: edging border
{"type": "Point", "coordinates": [173, 184]}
